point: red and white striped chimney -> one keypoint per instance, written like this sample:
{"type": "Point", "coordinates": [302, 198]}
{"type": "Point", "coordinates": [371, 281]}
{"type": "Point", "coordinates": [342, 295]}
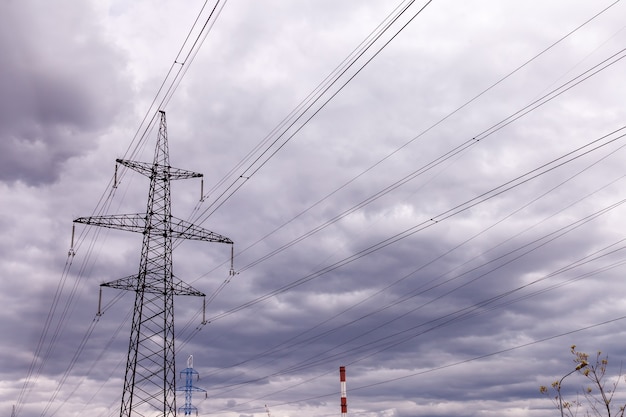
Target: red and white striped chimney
{"type": "Point", "coordinates": [344, 401]}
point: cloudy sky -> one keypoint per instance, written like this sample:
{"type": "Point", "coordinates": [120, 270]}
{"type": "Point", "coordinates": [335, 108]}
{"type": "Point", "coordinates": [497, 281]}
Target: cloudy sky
{"type": "Point", "coordinates": [429, 193]}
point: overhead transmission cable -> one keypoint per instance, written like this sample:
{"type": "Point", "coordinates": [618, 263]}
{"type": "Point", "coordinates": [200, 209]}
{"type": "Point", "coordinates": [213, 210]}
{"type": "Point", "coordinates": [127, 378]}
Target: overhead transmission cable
{"type": "Point", "coordinates": [482, 304]}
{"type": "Point", "coordinates": [565, 229]}
{"type": "Point", "coordinates": [424, 132]}
{"type": "Point", "coordinates": [298, 113]}
{"type": "Point", "coordinates": [448, 155]}
{"type": "Point", "coordinates": [273, 350]}
{"type": "Point", "coordinates": [387, 342]}
{"type": "Point", "coordinates": [537, 55]}
{"type": "Point", "coordinates": [105, 348]}
{"type": "Point", "coordinates": [577, 153]}
{"type": "Point", "coordinates": [425, 371]}
{"type": "Point", "coordinates": [291, 343]}
{"type": "Point", "coordinates": [585, 75]}
{"type": "Point", "coordinates": [36, 366]}
{"type": "Point", "coordinates": [408, 295]}
{"type": "Point", "coordinates": [529, 248]}
{"type": "Point", "coordinates": [413, 374]}
{"type": "Point", "coordinates": [314, 95]}
{"type": "Point", "coordinates": [268, 153]}
{"type": "Point", "coordinates": [486, 133]}
{"type": "Point", "coordinates": [174, 77]}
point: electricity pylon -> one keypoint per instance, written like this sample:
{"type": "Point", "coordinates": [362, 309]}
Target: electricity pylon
{"type": "Point", "coordinates": [189, 389]}
{"type": "Point", "coordinates": [150, 377]}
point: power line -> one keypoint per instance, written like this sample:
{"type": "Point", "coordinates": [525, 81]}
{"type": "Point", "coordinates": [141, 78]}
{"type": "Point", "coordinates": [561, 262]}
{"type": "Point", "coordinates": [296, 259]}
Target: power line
{"type": "Point", "coordinates": [440, 121]}
{"type": "Point", "coordinates": [483, 304]}
{"type": "Point", "coordinates": [406, 296]}
{"type": "Point", "coordinates": [261, 160]}
{"type": "Point", "coordinates": [459, 149]}
{"type": "Point", "coordinates": [387, 340]}
{"type": "Point", "coordinates": [444, 157]}
{"type": "Point", "coordinates": [553, 94]}
{"type": "Point", "coordinates": [579, 152]}
{"type": "Point", "coordinates": [425, 371]}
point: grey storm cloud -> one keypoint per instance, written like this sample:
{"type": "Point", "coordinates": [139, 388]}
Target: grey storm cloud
{"type": "Point", "coordinates": [62, 83]}
{"type": "Point", "coordinates": [445, 226]}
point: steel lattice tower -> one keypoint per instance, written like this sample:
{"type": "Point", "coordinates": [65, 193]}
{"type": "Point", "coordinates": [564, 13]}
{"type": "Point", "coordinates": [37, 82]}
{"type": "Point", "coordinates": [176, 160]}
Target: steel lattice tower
{"type": "Point", "coordinates": [150, 377]}
{"type": "Point", "coordinates": [189, 373]}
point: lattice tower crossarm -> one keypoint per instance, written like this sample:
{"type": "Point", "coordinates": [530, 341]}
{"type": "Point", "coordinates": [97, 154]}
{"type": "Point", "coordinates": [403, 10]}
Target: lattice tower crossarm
{"type": "Point", "coordinates": [150, 376]}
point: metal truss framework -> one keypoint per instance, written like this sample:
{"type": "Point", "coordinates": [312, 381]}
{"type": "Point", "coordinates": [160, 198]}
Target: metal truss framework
{"type": "Point", "coordinates": [189, 388]}
{"type": "Point", "coordinates": [150, 377]}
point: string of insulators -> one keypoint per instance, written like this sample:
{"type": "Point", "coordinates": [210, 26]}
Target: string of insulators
{"type": "Point", "coordinates": [99, 313]}
{"type": "Point", "coordinates": [71, 251]}
{"type": "Point", "coordinates": [232, 261]}
{"type": "Point", "coordinates": [204, 310]}
{"type": "Point", "coordinates": [344, 401]}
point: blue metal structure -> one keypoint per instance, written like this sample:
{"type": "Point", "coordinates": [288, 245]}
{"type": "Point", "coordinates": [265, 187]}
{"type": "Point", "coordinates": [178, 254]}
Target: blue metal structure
{"type": "Point", "coordinates": [189, 373]}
